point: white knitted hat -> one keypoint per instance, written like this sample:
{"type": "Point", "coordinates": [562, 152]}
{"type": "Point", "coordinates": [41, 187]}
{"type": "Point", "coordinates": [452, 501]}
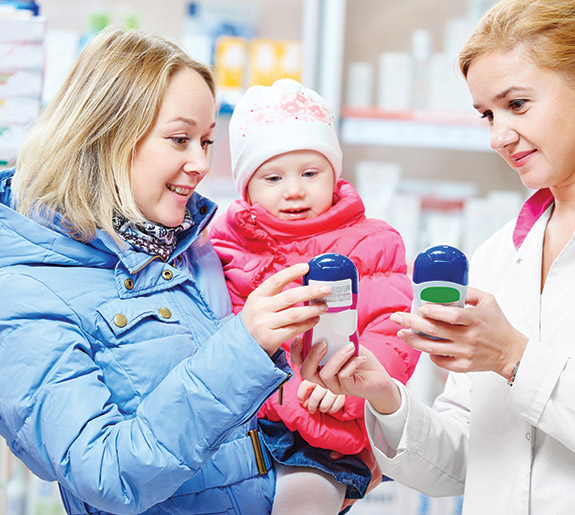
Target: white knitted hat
{"type": "Point", "coordinates": [272, 120]}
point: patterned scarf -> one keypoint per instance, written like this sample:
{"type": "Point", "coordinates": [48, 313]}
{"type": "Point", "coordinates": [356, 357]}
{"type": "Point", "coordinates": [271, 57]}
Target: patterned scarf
{"type": "Point", "coordinates": [151, 238]}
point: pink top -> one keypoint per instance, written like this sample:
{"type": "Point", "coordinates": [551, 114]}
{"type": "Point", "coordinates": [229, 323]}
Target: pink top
{"type": "Point", "coordinates": [253, 245]}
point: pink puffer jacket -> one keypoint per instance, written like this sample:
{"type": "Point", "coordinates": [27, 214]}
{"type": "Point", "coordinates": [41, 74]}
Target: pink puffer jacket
{"type": "Point", "coordinates": [253, 245]}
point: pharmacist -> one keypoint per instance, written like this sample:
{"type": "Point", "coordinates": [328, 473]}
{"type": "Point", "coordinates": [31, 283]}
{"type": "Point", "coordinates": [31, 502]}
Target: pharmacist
{"type": "Point", "coordinates": [502, 433]}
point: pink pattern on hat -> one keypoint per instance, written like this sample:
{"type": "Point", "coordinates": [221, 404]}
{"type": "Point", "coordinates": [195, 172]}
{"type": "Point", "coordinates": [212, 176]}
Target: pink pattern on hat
{"type": "Point", "coordinates": [272, 120]}
{"type": "Point", "coordinates": [291, 106]}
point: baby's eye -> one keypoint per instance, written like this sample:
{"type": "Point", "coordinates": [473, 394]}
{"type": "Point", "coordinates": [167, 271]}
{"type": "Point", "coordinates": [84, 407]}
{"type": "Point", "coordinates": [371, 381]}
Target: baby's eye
{"type": "Point", "coordinates": [309, 173]}
{"type": "Point", "coordinates": [273, 178]}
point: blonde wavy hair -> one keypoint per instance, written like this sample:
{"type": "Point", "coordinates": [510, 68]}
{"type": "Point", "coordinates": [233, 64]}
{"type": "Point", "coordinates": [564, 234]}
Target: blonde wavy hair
{"type": "Point", "coordinates": [76, 160]}
{"type": "Point", "coordinates": [545, 27]}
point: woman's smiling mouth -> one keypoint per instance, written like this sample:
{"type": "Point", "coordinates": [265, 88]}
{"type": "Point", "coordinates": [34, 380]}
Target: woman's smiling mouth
{"type": "Point", "coordinates": [180, 190]}
{"type": "Point", "coordinates": [521, 158]}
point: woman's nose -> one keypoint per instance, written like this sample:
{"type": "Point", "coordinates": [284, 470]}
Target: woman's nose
{"type": "Point", "coordinates": [197, 162]}
{"type": "Point", "coordinates": [502, 136]}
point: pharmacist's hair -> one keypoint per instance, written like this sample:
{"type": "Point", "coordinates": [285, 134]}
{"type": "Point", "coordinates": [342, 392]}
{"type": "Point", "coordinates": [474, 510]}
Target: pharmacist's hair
{"type": "Point", "coordinates": [545, 27]}
{"type": "Point", "coordinates": [75, 162]}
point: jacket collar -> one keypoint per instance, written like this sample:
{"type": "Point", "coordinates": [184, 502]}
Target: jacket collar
{"type": "Point", "coordinates": [531, 211]}
{"type": "Point", "coordinates": [347, 206]}
{"type": "Point", "coordinates": [202, 211]}
{"type": "Point", "coordinates": [32, 241]}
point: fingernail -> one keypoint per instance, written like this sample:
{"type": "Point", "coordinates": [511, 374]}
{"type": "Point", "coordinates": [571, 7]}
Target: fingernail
{"type": "Point", "coordinates": [318, 348]}
{"type": "Point", "coordinates": [349, 348]}
{"type": "Point", "coordinates": [423, 310]}
{"type": "Point", "coordinates": [302, 267]}
{"type": "Point", "coordinates": [397, 318]}
{"type": "Point", "coordinates": [323, 307]}
{"type": "Point", "coordinates": [324, 289]}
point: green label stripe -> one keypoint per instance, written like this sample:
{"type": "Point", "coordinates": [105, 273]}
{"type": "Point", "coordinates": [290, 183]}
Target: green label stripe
{"type": "Point", "coordinates": [440, 294]}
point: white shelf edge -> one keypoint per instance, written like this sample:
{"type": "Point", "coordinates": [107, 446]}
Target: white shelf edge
{"type": "Point", "coordinates": [414, 134]}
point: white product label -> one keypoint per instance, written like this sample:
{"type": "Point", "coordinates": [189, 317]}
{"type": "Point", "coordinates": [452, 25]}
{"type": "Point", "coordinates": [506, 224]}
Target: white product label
{"type": "Point", "coordinates": [341, 293]}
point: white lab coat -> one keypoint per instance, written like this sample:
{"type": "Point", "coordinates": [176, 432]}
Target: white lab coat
{"type": "Point", "coordinates": [509, 450]}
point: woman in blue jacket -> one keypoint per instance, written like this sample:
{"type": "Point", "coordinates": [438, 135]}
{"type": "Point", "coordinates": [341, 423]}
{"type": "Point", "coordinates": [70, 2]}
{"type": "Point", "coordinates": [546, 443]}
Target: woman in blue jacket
{"type": "Point", "coordinates": [124, 376]}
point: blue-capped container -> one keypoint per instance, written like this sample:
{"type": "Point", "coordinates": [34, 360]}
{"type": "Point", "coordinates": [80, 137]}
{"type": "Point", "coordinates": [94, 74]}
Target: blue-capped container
{"type": "Point", "coordinates": [338, 326]}
{"type": "Point", "coordinates": [440, 275]}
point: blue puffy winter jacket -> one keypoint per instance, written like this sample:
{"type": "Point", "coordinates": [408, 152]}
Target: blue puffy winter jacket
{"type": "Point", "coordinates": [126, 379]}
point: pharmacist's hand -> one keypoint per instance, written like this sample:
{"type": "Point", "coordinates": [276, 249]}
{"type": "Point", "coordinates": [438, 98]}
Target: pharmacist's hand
{"type": "Point", "coordinates": [313, 397]}
{"type": "Point", "coordinates": [273, 316]}
{"type": "Point", "coordinates": [346, 374]}
{"type": "Point", "coordinates": [478, 337]}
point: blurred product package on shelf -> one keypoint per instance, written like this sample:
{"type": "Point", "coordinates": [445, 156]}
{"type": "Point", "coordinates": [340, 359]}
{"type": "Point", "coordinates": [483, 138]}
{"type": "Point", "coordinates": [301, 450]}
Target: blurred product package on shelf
{"type": "Point", "coordinates": [230, 66]}
{"type": "Point", "coordinates": [25, 8]}
{"type": "Point", "coordinates": [421, 53]}
{"type": "Point", "coordinates": [421, 78]}
{"type": "Point", "coordinates": [204, 22]}
{"type": "Point", "coordinates": [394, 81]}
{"type": "Point", "coordinates": [97, 21]}
{"type": "Point", "coordinates": [225, 35]}
{"type": "Point", "coordinates": [359, 85]}
{"type": "Point", "coordinates": [431, 212]}
{"type": "Point", "coordinates": [272, 59]}
{"type": "Point", "coordinates": [21, 73]}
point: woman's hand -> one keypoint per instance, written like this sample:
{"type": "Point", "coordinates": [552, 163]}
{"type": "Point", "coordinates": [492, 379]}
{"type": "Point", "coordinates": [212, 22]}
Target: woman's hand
{"type": "Point", "coordinates": [273, 316]}
{"type": "Point", "coordinates": [346, 374]}
{"type": "Point", "coordinates": [313, 397]}
{"type": "Point", "coordinates": [478, 337]}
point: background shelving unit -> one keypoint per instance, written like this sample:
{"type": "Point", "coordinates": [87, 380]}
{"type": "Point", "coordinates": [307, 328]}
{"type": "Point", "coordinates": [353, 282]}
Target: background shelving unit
{"type": "Point", "coordinates": [431, 169]}
{"type": "Point", "coordinates": [414, 129]}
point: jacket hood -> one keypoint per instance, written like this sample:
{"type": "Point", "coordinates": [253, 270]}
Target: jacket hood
{"type": "Point", "coordinates": [25, 241]}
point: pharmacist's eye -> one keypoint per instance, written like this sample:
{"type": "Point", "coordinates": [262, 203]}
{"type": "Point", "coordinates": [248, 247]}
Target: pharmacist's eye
{"type": "Point", "coordinates": [518, 104]}
{"type": "Point", "coordinates": [206, 143]}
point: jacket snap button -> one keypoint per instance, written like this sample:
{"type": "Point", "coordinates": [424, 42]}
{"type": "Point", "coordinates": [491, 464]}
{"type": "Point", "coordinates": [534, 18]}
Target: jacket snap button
{"type": "Point", "coordinates": [203, 210]}
{"type": "Point", "coordinates": [167, 274]}
{"type": "Point", "coordinates": [165, 312]}
{"type": "Point", "coordinates": [120, 320]}
{"type": "Point", "coordinates": [129, 284]}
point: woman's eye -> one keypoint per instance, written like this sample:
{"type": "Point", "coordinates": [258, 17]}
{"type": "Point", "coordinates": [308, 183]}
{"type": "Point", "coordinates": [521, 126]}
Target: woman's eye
{"type": "Point", "coordinates": [518, 104]}
{"type": "Point", "coordinates": [487, 115]}
{"type": "Point", "coordinates": [179, 140]}
{"type": "Point", "coordinates": [207, 142]}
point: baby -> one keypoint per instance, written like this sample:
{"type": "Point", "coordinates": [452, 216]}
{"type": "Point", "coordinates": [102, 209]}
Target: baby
{"type": "Point", "coordinates": [287, 166]}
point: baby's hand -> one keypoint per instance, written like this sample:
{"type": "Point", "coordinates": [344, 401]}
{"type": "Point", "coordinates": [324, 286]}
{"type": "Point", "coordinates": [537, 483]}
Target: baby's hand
{"type": "Point", "coordinates": [312, 396]}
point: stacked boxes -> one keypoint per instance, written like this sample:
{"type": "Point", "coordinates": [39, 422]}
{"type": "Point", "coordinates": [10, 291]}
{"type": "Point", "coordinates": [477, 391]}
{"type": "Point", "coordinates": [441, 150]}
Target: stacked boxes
{"type": "Point", "coordinates": [21, 74]}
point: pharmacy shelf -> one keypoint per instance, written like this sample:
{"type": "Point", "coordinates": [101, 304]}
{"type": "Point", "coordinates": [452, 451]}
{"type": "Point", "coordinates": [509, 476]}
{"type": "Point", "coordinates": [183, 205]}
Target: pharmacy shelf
{"type": "Point", "coordinates": [414, 129]}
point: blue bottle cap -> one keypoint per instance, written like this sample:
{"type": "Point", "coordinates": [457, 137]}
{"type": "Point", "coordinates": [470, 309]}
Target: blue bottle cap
{"type": "Point", "coordinates": [332, 267]}
{"type": "Point", "coordinates": [441, 263]}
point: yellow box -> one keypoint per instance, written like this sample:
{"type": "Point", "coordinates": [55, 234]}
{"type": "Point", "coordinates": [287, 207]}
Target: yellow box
{"type": "Point", "coordinates": [230, 62]}
{"type": "Point", "coordinates": [272, 59]}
